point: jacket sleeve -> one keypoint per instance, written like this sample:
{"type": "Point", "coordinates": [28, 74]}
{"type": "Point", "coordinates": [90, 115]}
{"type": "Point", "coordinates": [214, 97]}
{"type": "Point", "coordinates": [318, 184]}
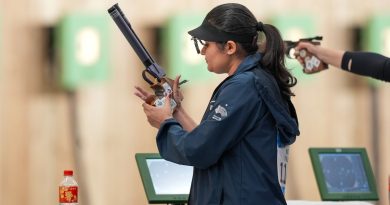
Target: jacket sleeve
{"type": "Point", "coordinates": [233, 113]}
{"type": "Point", "coordinates": [367, 64]}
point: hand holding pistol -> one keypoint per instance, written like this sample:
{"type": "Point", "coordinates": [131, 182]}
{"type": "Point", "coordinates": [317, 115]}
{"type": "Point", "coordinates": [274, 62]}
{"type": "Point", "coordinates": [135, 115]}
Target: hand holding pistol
{"type": "Point", "coordinates": [310, 62]}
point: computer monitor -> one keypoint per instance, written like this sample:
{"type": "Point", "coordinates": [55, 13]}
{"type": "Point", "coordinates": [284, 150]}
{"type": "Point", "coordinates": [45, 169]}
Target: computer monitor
{"type": "Point", "coordinates": [343, 174]}
{"type": "Point", "coordinates": [164, 181]}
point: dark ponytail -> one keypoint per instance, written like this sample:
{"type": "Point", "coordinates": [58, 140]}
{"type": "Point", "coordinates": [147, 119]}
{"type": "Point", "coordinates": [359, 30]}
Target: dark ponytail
{"type": "Point", "coordinates": [274, 59]}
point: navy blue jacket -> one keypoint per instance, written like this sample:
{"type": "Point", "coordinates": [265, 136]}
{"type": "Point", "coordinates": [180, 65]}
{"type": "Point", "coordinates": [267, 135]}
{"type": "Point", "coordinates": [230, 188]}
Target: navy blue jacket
{"type": "Point", "coordinates": [234, 148]}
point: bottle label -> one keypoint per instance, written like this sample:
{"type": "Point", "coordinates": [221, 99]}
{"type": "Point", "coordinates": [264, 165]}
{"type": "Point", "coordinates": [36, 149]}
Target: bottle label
{"type": "Point", "coordinates": [68, 194]}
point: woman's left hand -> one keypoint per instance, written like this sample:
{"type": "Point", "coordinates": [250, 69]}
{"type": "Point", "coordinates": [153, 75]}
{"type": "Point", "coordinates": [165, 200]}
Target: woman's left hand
{"type": "Point", "coordinates": [157, 115]}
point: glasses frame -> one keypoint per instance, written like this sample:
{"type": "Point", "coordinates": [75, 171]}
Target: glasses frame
{"type": "Point", "coordinates": [196, 43]}
{"type": "Point", "coordinates": [203, 43]}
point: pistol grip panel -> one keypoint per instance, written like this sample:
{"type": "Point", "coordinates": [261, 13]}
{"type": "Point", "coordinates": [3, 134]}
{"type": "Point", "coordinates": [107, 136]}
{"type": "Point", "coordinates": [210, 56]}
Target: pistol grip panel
{"type": "Point", "coordinates": [311, 62]}
{"type": "Point", "coordinates": [162, 89]}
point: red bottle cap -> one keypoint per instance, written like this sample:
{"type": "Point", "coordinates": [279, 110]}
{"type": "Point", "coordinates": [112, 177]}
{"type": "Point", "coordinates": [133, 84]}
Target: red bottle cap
{"type": "Point", "coordinates": [68, 173]}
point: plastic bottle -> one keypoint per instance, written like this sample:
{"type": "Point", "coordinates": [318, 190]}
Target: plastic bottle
{"type": "Point", "coordinates": [68, 189]}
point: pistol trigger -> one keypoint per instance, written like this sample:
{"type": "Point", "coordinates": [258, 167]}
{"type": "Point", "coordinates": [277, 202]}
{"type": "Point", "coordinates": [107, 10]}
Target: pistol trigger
{"type": "Point", "coordinates": [155, 81]}
{"type": "Point", "coordinates": [146, 78]}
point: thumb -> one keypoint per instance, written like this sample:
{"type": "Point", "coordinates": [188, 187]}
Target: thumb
{"type": "Point", "coordinates": [167, 102]}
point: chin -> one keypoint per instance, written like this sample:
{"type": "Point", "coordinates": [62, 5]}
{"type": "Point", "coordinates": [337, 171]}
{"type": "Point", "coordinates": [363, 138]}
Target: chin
{"type": "Point", "coordinates": [212, 71]}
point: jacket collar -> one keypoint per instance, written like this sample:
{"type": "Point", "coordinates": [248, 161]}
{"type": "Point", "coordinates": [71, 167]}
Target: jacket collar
{"type": "Point", "coordinates": [248, 63]}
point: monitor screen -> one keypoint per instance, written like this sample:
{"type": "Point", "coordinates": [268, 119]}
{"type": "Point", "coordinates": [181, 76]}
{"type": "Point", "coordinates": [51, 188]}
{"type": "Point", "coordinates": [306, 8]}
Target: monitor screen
{"type": "Point", "coordinates": [164, 181]}
{"type": "Point", "coordinates": [168, 177]}
{"type": "Point", "coordinates": [343, 174]}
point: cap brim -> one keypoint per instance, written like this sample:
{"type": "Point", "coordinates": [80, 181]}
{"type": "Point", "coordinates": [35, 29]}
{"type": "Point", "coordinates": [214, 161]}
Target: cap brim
{"type": "Point", "coordinates": [203, 33]}
{"type": "Point", "coordinates": [207, 32]}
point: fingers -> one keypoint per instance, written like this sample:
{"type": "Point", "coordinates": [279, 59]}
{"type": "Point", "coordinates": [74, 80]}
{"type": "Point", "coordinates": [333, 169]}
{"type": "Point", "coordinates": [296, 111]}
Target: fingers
{"type": "Point", "coordinates": [302, 45]}
{"type": "Point", "coordinates": [142, 97]}
{"type": "Point", "coordinates": [307, 71]}
{"type": "Point", "coordinates": [177, 95]}
{"type": "Point", "coordinates": [299, 47]}
{"type": "Point", "coordinates": [156, 115]}
{"type": "Point", "coordinates": [148, 109]}
{"type": "Point", "coordinates": [176, 83]}
{"type": "Point", "coordinates": [142, 94]}
{"type": "Point", "coordinates": [146, 106]}
{"type": "Point", "coordinates": [314, 70]}
{"type": "Point", "coordinates": [308, 46]}
{"type": "Point", "coordinates": [167, 102]}
{"type": "Point", "coordinates": [142, 91]}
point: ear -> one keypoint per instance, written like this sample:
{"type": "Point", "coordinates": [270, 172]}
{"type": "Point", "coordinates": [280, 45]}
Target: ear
{"type": "Point", "coordinates": [230, 47]}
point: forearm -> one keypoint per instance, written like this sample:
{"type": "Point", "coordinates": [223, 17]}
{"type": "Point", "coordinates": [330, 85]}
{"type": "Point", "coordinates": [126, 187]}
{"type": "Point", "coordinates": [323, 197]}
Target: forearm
{"type": "Point", "coordinates": [184, 119]}
{"type": "Point", "coordinates": [367, 64]}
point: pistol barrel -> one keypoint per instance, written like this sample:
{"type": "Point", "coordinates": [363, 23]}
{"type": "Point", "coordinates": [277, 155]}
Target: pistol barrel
{"type": "Point", "coordinates": [125, 27]}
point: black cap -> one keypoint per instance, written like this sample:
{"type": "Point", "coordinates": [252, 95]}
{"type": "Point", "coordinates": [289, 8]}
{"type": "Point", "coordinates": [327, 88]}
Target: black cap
{"type": "Point", "coordinates": [208, 32]}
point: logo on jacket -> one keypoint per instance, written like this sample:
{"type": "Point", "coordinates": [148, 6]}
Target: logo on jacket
{"type": "Point", "coordinates": [220, 113]}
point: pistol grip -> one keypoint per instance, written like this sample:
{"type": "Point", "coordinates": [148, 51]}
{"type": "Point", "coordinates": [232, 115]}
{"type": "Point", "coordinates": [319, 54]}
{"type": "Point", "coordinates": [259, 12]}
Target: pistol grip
{"type": "Point", "coordinates": [161, 90]}
{"type": "Point", "coordinates": [311, 63]}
